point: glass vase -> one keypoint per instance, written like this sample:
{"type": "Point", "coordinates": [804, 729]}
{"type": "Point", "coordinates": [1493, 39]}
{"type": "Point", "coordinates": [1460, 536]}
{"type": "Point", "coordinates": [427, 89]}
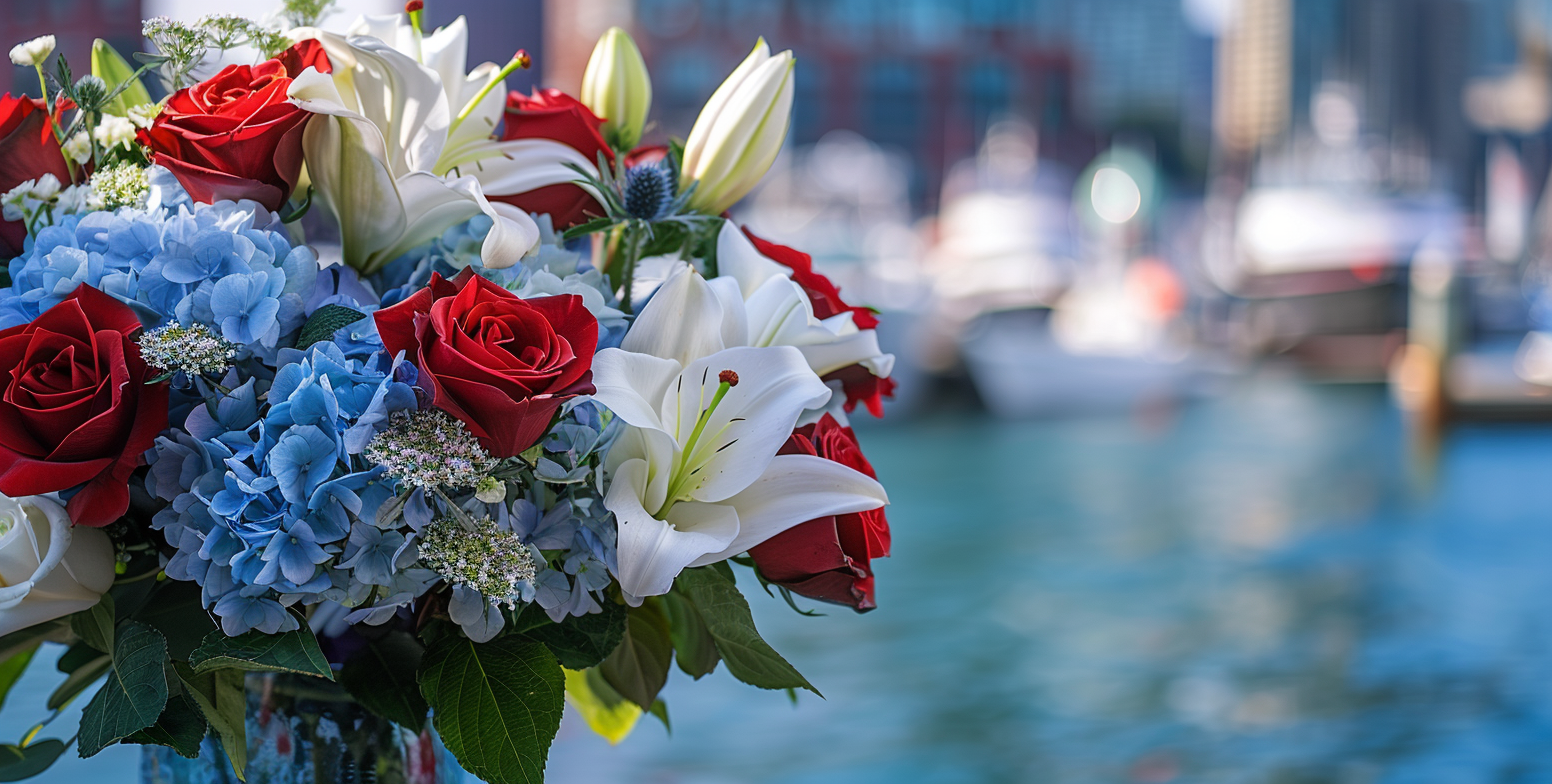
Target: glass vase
{"type": "Point", "coordinates": [309, 731]}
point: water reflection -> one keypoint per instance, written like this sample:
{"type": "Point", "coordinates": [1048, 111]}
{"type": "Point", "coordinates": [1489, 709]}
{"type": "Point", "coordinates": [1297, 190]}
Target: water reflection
{"type": "Point", "coordinates": [1250, 589]}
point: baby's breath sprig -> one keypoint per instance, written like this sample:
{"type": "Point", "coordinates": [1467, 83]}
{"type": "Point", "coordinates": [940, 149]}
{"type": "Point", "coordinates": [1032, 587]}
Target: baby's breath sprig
{"type": "Point", "coordinates": [194, 350]}
{"type": "Point", "coordinates": [483, 557]}
{"type": "Point", "coordinates": [430, 449]}
{"type": "Point", "coordinates": [123, 185]}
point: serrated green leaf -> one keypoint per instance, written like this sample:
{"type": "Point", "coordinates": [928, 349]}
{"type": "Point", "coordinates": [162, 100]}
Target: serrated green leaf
{"type": "Point", "coordinates": [497, 705]}
{"type": "Point", "coordinates": [382, 678]}
{"type": "Point", "coordinates": [80, 679]}
{"type": "Point", "coordinates": [135, 692]}
{"type": "Point", "coordinates": [181, 727]}
{"type": "Point", "coordinates": [12, 668]}
{"type": "Point", "coordinates": [24, 762]}
{"type": "Point", "coordinates": [749, 658]}
{"type": "Point", "coordinates": [94, 625]}
{"type": "Point", "coordinates": [694, 648]}
{"type": "Point", "coordinates": [294, 651]}
{"type": "Point", "coordinates": [638, 666]}
{"type": "Point", "coordinates": [110, 67]}
{"type": "Point", "coordinates": [583, 641]}
{"type": "Point", "coordinates": [175, 611]}
{"type": "Point", "coordinates": [224, 702]}
{"type": "Point", "coordinates": [605, 711]}
{"type": "Point", "coordinates": [324, 322]}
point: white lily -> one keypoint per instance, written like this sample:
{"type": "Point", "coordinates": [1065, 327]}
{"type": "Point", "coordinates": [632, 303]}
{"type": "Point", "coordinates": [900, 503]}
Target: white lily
{"type": "Point", "coordinates": [753, 303]}
{"type": "Point", "coordinates": [475, 103]}
{"type": "Point", "coordinates": [695, 478]}
{"type": "Point", "coordinates": [371, 155]}
{"type": "Point", "coordinates": [739, 131]}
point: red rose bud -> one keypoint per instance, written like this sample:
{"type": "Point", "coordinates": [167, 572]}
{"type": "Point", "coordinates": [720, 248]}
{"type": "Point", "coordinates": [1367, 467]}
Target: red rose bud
{"type": "Point", "coordinates": [236, 135]}
{"type": "Point", "coordinates": [728, 377]}
{"type": "Point", "coordinates": [501, 364]}
{"type": "Point", "coordinates": [554, 115]}
{"type": "Point", "coordinates": [75, 408]}
{"type": "Point", "coordinates": [828, 558]}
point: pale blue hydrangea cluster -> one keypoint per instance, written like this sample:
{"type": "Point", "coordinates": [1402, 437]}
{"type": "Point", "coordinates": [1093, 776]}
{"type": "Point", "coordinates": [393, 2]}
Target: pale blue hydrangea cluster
{"type": "Point", "coordinates": [226, 265]}
{"type": "Point", "coordinates": [270, 499]}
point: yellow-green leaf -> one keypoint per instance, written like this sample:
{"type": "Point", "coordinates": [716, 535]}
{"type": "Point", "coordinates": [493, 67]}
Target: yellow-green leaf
{"type": "Point", "coordinates": [605, 711]}
{"type": "Point", "coordinates": [110, 67]}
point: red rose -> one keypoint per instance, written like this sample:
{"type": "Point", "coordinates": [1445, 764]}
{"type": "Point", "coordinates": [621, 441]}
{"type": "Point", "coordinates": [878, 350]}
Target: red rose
{"type": "Point", "coordinates": [859, 385]}
{"type": "Point", "coordinates": [502, 364]}
{"type": "Point", "coordinates": [554, 115]}
{"type": "Point", "coordinates": [75, 408]}
{"type": "Point", "coordinates": [27, 151]}
{"type": "Point", "coordinates": [236, 135]}
{"type": "Point", "coordinates": [830, 558]}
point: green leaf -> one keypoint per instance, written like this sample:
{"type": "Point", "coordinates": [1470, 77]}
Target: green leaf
{"type": "Point", "coordinates": [180, 728]}
{"type": "Point", "coordinates": [110, 67]}
{"type": "Point", "coordinates": [583, 641]}
{"type": "Point", "coordinates": [78, 656]}
{"type": "Point", "coordinates": [324, 322]}
{"type": "Point", "coordinates": [497, 705]}
{"type": "Point", "coordinates": [638, 667]}
{"type": "Point", "coordinates": [295, 213]}
{"type": "Point", "coordinates": [584, 229]}
{"type": "Point", "coordinates": [224, 702]}
{"type": "Point", "coordinates": [694, 648]}
{"type": "Point", "coordinates": [134, 694]}
{"type": "Point", "coordinates": [660, 710]}
{"type": "Point", "coordinates": [294, 651]}
{"type": "Point", "coordinates": [80, 679]}
{"type": "Point", "coordinates": [382, 677]}
{"type": "Point", "coordinates": [175, 611]}
{"type": "Point", "coordinates": [12, 668]}
{"type": "Point", "coordinates": [727, 617]}
{"type": "Point", "coordinates": [94, 625]}
{"type": "Point", "coordinates": [24, 762]}
{"type": "Point", "coordinates": [605, 711]}
{"type": "Point", "coordinates": [18, 641]}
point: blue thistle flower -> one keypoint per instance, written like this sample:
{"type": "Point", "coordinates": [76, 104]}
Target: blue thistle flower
{"type": "Point", "coordinates": [649, 191]}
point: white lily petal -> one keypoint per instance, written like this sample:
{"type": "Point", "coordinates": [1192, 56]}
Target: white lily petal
{"type": "Point", "coordinates": [446, 51]}
{"type": "Point", "coordinates": [700, 133]}
{"type": "Point", "coordinates": [520, 165]}
{"type": "Point", "coordinates": [657, 450]}
{"type": "Point", "coordinates": [652, 552]}
{"type": "Point", "coordinates": [751, 423]}
{"type": "Point", "coordinates": [737, 258]}
{"type": "Point", "coordinates": [795, 489]}
{"type": "Point", "coordinates": [854, 349]}
{"type": "Point", "coordinates": [471, 138]}
{"type": "Point", "coordinates": [682, 321]}
{"type": "Point", "coordinates": [633, 385]}
{"type": "Point", "coordinates": [405, 100]}
{"type": "Point", "coordinates": [346, 166]}
{"type": "Point", "coordinates": [735, 321]}
{"type": "Point", "coordinates": [513, 234]}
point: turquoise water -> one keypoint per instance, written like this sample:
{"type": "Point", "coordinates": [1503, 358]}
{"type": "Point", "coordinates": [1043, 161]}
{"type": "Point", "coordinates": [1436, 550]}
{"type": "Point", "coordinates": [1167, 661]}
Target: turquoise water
{"type": "Point", "coordinates": [1261, 587]}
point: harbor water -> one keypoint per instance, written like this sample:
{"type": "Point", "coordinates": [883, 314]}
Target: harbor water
{"type": "Point", "coordinates": [1263, 586]}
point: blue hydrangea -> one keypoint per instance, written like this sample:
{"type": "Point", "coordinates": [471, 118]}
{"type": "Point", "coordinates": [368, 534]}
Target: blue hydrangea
{"type": "Point", "coordinates": [227, 265]}
{"type": "Point", "coordinates": [267, 502]}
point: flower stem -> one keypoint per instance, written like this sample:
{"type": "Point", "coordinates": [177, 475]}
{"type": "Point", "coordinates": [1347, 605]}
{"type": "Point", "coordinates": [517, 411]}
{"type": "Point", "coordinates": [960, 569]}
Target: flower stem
{"type": "Point", "coordinates": [519, 60]}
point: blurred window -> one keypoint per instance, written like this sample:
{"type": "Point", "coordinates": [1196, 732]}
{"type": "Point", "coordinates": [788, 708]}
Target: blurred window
{"type": "Point", "coordinates": [987, 86]}
{"type": "Point", "coordinates": [688, 78]}
{"type": "Point", "coordinates": [851, 21]}
{"type": "Point", "coordinates": [808, 111]}
{"type": "Point", "coordinates": [892, 101]}
{"type": "Point", "coordinates": [669, 18]}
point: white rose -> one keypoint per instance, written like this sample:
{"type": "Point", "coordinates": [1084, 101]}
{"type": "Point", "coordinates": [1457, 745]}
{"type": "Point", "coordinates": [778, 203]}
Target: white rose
{"type": "Point", "coordinates": [48, 568]}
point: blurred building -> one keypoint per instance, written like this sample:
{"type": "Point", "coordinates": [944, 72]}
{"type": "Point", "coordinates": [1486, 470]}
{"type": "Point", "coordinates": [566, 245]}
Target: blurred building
{"type": "Point", "coordinates": [75, 23]}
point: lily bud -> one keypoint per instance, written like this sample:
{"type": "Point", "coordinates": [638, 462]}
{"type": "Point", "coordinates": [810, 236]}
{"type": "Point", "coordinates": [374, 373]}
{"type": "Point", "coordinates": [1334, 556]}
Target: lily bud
{"type": "Point", "coordinates": [616, 87]}
{"type": "Point", "coordinates": [739, 131]}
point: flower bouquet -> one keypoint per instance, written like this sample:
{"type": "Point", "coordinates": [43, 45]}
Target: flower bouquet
{"type": "Point", "coordinates": [348, 378]}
